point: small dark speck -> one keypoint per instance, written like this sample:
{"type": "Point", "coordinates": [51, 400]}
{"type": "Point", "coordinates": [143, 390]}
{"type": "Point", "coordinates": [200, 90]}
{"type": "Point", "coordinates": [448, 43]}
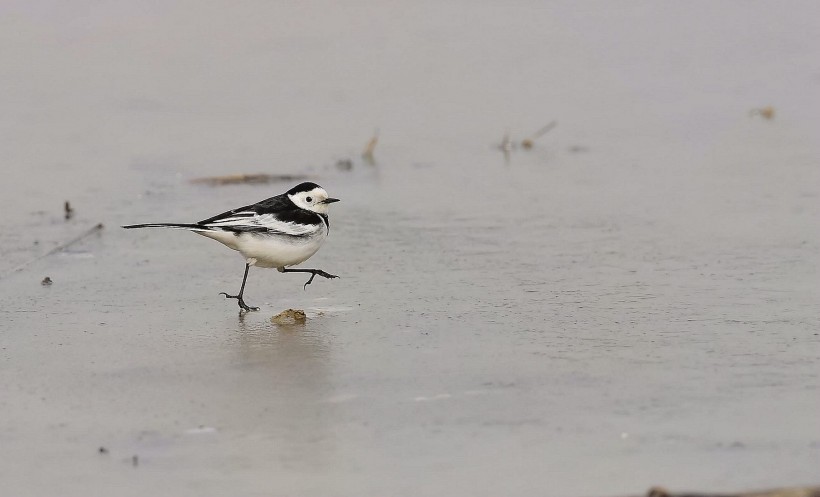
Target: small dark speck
{"type": "Point", "coordinates": [102, 450]}
{"type": "Point", "coordinates": [135, 461]}
{"type": "Point", "coordinates": [46, 281]}
{"type": "Point", "coordinates": [344, 164]}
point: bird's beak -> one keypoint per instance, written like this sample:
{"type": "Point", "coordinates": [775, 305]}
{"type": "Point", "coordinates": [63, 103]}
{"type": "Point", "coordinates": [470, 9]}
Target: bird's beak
{"type": "Point", "coordinates": [329, 200]}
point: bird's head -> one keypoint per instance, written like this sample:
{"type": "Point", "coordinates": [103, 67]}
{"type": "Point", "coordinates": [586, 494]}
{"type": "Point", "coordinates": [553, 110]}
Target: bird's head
{"type": "Point", "coordinates": [310, 196]}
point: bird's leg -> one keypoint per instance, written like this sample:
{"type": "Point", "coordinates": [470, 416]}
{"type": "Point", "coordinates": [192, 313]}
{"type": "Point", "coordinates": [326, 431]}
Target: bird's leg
{"type": "Point", "coordinates": [239, 298]}
{"type": "Point", "coordinates": [313, 273]}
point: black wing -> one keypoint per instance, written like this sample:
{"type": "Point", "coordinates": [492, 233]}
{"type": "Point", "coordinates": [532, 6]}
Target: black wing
{"type": "Point", "coordinates": [273, 205]}
{"type": "Point", "coordinates": [276, 214]}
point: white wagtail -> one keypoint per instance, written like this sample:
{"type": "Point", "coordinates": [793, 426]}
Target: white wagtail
{"type": "Point", "coordinates": [277, 232]}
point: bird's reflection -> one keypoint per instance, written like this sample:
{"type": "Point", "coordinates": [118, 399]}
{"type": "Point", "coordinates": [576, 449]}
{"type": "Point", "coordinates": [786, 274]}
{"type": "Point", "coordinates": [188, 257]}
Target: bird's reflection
{"type": "Point", "coordinates": [285, 374]}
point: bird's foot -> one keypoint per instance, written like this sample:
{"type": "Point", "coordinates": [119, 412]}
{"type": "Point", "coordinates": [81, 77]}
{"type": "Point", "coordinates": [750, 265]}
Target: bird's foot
{"type": "Point", "coordinates": [321, 273]}
{"type": "Point", "coordinates": [242, 304]}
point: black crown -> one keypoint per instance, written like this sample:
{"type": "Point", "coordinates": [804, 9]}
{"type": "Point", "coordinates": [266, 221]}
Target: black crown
{"type": "Point", "coordinates": [303, 187]}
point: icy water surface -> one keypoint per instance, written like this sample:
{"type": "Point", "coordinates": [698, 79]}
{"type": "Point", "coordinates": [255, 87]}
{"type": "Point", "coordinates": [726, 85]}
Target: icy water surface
{"type": "Point", "coordinates": [633, 301]}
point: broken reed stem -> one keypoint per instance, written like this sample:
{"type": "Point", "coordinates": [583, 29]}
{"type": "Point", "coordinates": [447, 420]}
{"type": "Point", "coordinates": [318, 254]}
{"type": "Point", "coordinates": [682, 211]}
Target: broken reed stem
{"type": "Point", "coordinates": [541, 132]}
{"type": "Point", "coordinates": [777, 492]}
{"type": "Point", "coordinates": [58, 248]}
{"type": "Point", "coordinates": [371, 145]}
{"type": "Point", "coordinates": [259, 178]}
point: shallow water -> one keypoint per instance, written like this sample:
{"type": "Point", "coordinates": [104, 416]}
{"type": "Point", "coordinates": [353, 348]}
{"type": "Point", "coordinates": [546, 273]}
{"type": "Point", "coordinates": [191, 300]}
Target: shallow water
{"type": "Point", "coordinates": [632, 302]}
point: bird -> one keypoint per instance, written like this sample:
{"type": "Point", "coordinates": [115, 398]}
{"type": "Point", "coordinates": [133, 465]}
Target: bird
{"type": "Point", "coordinates": [278, 232]}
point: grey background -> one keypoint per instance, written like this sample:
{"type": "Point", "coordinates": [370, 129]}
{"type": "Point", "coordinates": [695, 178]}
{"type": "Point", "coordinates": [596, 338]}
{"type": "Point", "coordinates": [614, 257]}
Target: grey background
{"type": "Point", "coordinates": [632, 302]}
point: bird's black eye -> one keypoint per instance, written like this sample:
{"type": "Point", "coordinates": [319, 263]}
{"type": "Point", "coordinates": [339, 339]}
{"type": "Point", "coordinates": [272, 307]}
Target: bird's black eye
{"type": "Point", "coordinates": [309, 200]}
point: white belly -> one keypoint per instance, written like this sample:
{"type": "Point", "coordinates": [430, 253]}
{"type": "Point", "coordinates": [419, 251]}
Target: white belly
{"type": "Point", "coordinates": [270, 250]}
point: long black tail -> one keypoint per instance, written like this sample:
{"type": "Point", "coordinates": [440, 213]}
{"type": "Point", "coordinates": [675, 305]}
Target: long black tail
{"type": "Point", "coordinates": [178, 226]}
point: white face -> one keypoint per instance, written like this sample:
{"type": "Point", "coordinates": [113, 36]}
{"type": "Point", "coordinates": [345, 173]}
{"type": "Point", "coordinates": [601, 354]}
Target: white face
{"type": "Point", "coordinates": [313, 200]}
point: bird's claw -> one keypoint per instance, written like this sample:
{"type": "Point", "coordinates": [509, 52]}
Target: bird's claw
{"type": "Point", "coordinates": [241, 302]}
{"type": "Point", "coordinates": [320, 273]}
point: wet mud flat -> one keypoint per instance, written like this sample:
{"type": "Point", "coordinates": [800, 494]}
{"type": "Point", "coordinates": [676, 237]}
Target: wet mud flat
{"type": "Point", "coordinates": [639, 345]}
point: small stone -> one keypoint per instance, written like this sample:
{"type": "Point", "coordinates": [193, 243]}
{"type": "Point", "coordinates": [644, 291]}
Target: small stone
{"type": "Point", "coordinates": [344, 164]}
{"type": "Point", "coordinates": [764, 112]}
{"type": "Point", "coordinates": [289, 316]}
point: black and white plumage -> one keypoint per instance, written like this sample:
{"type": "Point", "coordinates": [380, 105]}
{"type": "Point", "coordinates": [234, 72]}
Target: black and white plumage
{"type": "Point", "coordinates": [278, 232]}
